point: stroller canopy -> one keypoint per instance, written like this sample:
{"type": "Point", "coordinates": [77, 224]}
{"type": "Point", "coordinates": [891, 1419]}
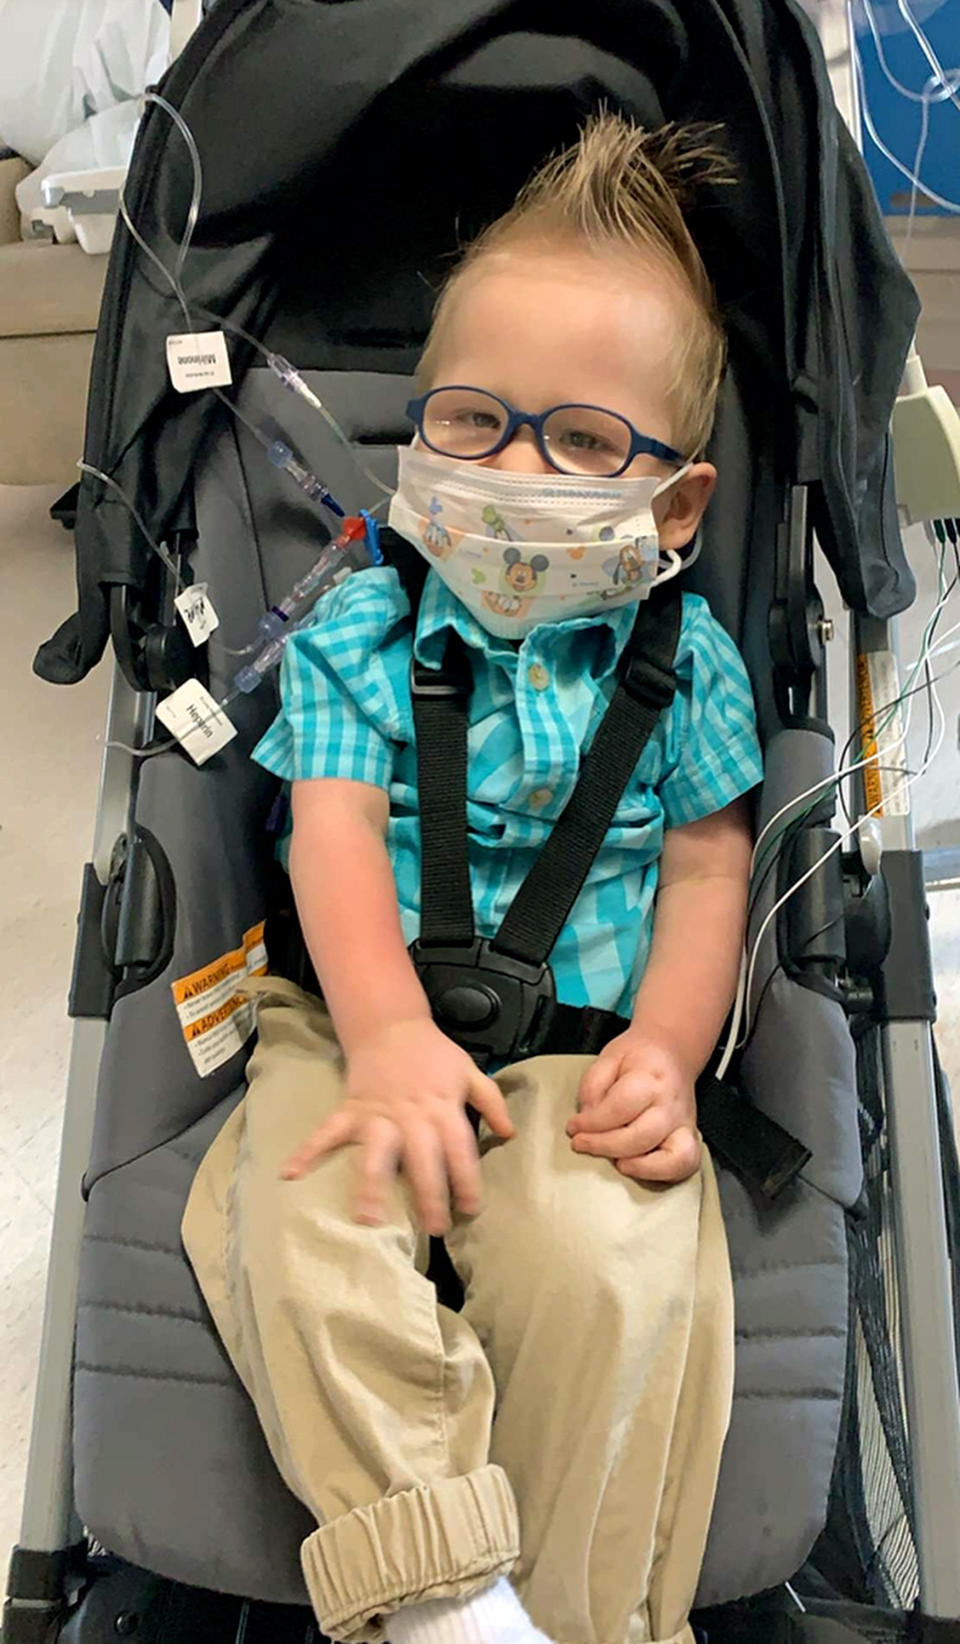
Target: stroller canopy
{"type": "Point", "coordinates": [348, 146]}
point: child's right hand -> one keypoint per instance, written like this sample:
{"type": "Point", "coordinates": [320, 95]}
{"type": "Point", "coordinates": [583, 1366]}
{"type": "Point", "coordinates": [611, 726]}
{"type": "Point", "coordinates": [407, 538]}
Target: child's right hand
{"type": "Point", "coordinates": [406, 1089]}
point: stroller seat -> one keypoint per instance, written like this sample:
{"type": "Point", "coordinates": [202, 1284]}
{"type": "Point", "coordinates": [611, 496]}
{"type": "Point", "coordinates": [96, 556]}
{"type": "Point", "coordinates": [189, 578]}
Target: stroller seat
{"type": "Point", "coordinates": [152, 1381]}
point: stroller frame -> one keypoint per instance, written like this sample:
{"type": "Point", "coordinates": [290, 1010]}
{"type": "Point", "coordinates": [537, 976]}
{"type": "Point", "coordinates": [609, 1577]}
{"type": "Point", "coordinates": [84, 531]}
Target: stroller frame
{"type": "Point", "coordinates": [45, 1570]}
{"type": "Point", "coordinates": [923, 1266]}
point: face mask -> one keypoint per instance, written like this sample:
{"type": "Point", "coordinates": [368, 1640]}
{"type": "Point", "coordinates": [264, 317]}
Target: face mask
{"type": "Point", "coordinates": [521, 549]}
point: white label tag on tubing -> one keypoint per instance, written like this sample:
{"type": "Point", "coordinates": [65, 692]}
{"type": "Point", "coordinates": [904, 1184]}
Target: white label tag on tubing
{"type": "Point", "coordinates": [193, 717]}
{"type": "Point", "coordinates": [198, 359]}
{"type": "Point", "coordinates": [199, 617]}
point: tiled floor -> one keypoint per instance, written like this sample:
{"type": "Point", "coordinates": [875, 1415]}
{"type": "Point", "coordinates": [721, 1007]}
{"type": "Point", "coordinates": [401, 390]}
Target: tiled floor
{"type": "Point", "coordinates": [50, 741]}
{"type": "Point", "coordinates": [48, 797]}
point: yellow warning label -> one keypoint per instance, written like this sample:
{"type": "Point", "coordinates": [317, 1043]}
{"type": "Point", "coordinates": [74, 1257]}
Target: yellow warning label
{"type": "Point", "coordinates": [886, 784]}
{"type": "Point", "coordinates": [216, 1019]}
{"type": "Point", "coordinates": [872, 785]}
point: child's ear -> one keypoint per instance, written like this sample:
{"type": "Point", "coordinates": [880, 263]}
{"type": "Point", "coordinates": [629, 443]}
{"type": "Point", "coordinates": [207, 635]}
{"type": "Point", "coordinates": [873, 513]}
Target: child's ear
{"type": "Point", "coordinates": [679, 511]}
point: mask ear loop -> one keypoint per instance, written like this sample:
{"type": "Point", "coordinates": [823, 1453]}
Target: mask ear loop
{"type": "Point", "coordinates": [696, 548]}
{"type": "Point", "coordinates": [672, 568]}
{"type": "Point", "coordinates": [676, 562]}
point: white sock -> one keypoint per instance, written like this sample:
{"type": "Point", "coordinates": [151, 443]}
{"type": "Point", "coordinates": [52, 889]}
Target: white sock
{"type": "Point", "coordinates": [493, 1616]}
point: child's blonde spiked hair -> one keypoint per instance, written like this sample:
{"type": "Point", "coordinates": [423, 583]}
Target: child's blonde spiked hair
{"type": "Point", "coordinates": [622, 191]}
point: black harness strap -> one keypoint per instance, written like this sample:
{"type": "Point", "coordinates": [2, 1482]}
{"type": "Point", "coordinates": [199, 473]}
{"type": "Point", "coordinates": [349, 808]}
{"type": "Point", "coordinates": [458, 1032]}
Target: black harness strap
{"type": "Point", "coordinates": [545, 899]}
{"type": "Point", "coordinates": [498, 996]}
{"type": "Point", "coordinates": [440, 698]}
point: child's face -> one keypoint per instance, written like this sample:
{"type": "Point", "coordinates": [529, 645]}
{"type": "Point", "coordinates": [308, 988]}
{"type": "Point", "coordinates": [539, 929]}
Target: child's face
{"type": "Point", "coordinates": [564, 327]}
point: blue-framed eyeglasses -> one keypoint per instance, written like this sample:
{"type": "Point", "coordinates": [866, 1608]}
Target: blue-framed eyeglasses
{"type": "Point", "coordinates": [471, 423]}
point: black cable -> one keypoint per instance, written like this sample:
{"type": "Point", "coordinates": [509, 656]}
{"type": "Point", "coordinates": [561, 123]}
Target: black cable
{"type": "Point", "coordinates": [778, 967]}
{"type": "Point", "coordinates": [757, 1008]}
{"type": "Point", "coordinates": [928, 747]}
{"type": "Point", "coordinates": [789, 833]}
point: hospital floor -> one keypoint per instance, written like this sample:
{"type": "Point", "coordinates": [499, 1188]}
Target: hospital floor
{"type": "Point", "coordinates": [50, 745]}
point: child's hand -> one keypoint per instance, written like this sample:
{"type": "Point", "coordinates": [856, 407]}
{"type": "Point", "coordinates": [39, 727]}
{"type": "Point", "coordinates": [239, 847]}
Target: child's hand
{"type": "Point", "coordinates": [638, 1108]}
{"type": "Point", "coordinates": [406, 1090]}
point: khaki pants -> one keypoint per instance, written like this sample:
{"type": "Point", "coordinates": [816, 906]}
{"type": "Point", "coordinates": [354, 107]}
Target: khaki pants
{"type": "Point", "coordinates": [565, 1428]}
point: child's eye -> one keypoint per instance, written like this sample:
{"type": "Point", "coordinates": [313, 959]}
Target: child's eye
{"type": "Point", "coordinates": [584, 439]}
{"type": "Point", "coordinates": [464, 422]}
{"type": "Point", "coordinates": [483, 420]}
{"type": "Point", "coordinates": [587, 440]}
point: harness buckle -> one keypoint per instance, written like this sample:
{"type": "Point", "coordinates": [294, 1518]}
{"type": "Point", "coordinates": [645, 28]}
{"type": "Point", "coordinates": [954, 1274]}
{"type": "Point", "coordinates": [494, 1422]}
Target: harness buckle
{"type": "Point", "coordinates": [493, 1006]}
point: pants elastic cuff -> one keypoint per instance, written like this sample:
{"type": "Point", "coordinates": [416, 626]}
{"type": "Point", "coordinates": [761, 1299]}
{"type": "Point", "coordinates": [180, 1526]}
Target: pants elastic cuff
{"type": "Point", "coordinates": [442, 1540]}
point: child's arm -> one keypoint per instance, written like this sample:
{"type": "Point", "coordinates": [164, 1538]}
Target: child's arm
{"type": "Point", "coordinates": [638, 1103]}
{"type": "Point", "coordinates": [406, 1082]}
{"type": "Point", "coordinates": [347, 902]}
{"type": "Point", "coordinates": [698, 929]}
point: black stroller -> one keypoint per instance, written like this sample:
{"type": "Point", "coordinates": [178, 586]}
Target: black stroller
{"type": "Point", "coordinates": [152, 1507]}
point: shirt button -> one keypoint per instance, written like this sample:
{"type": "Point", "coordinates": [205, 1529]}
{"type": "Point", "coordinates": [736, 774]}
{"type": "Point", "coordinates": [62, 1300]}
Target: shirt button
{"type": "Point", "coordinates": [541, 796]}
{"type": "Point", "coordinates": [538, 676]}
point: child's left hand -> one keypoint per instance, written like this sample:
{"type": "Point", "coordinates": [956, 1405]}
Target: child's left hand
{"type": "Point", "coordinates": [638, 1108]}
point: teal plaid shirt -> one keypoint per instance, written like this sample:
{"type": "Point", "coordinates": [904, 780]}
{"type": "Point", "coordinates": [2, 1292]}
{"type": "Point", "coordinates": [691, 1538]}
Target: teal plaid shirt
{"type": "Point", "coordinates": [346, 712]}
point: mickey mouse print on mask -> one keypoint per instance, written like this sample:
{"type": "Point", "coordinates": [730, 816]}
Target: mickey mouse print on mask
{"type": "Point", "coordinates": [576, 545]}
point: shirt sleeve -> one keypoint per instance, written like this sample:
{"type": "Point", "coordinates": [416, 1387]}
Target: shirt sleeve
{"type": "Point", "coordinates": [712, 751]}
{"type": "Point", "coordinates": [340, 713]}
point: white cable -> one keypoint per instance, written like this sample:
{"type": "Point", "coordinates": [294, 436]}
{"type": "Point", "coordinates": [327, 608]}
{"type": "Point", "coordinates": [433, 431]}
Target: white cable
{"type": "Point", "coordinates": [917, 163]}
{"type": "Point", "coordinates": [158, 548]}
{"type": "Point", "coordinates": [731, 1044]}
{"type": "Point", "coordinates": [838, 843]}
{"type": "Point", "coordinates": [947, 90]}
{"type": "Point", "coordinates": [833, 780]}
{"type": "Point", "coordinates": [941, 87]}
{"type": "Point", "coordinates": [948, 205]}
{"type": "Point", "coordinates": [927, 651]}
{"type": "Point", "coordinates": [911, 671]}
{"type": "Point", "coordinates": [173, 279]}
{"type": "Point", "coordinates": [923, 42]}
{"type": "Point", "coordinates": [901, 788]}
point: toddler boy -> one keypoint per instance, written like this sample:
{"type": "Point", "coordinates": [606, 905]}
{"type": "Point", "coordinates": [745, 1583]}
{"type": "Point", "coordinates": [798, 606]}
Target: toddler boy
{"type": "Point", "coordinates": [565, 1428]}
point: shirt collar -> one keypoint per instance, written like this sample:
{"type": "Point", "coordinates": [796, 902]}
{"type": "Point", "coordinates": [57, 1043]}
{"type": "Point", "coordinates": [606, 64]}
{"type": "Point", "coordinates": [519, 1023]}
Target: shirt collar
{"type": "Point", "coordinates": [441, 611]}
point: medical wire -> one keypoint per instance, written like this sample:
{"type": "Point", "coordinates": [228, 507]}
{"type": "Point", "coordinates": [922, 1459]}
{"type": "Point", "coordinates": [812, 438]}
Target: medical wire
{"type": "Point", "coordinates": [277, 450]}
{"type": "Point", "coordinates": [917, 163]}
{"type": "Point", "coordinates": [294, 382]}
{"type": "Point", "coordinates": [947, 91]}
{"type": "Point", "coordinates": [952, 206]}
{"type": "Point", "coordinates": [157, 547]}
{"type": "Point", "coordinates": [279, 365]}
{"type": "Point", "coordinates": [943, 85]}
{"type": "Point", "coordinates": [938, 71]}
{"type": "Point", "coordinates": [172, 279]}
{"type": "Point", "coordinates": [927, 653]}
{"type": "Point", "coordinates": [841, 840]}
{"type": "Point", "coordinates": [276, 625]}
{"type": "Point", "coordinates": [881, 714]}
{"type": "Point", "coordinates": [741, 1006]}
{"type": "Point", "coordinates": [843, 771]}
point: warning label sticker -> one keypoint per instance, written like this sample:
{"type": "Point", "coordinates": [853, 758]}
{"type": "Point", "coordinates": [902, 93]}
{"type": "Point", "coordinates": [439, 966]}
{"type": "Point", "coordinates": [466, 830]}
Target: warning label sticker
{"type": "Point", "coordinates": [215, 1018]}
{"type": "Point", "coordinates": [881, 735]}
